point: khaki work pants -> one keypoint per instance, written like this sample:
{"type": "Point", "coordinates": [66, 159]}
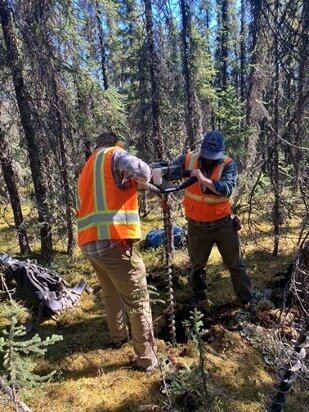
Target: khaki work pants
{"type": "Point", "coordinates": [122, 275]}
{"type": "Point", "coordinates": [201, 238]}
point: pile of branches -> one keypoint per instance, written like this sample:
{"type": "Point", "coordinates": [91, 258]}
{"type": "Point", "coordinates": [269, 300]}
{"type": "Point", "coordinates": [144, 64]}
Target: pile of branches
{"type": "Point", "coordinates": [299, 285]}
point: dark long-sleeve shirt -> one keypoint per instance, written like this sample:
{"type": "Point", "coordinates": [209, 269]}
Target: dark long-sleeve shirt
{"type": "Point", "coordinates": [228, 179]}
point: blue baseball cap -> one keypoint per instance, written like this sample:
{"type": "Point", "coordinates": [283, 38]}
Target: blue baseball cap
{"type": "Point", "coordinates": [213, 145]}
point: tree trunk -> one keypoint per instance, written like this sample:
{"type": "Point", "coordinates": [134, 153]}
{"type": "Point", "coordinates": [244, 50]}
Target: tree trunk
{"type": "Point", "coordinates": [302, 88]}
{"type": "Point", "coordinates": [242, 84]}
{"type": "Point", "coordinates": [102, 47]}
{"type": "Point", "coordinates": [154, 79]}
{"type": "Point", "coordinates": [255, 110]}
{"type": "Point", "coordinates": [9, 178]}
{"type": "Point", "coordinates": [222, 45]}
{"type": "Point", "coordinates": [193, 118]}
{"type": "Point", "coordinates": [58, 127]}
{"type": "Point", "coordinates": [275, 160]}
{"type": "Point", "coordinates": [143, 146]}
{"type": "Point", "coordinates": [82, 110]}
{"type": "Point", "coordinates": [186, 33]}
{"type": "Point", "coordinates": [27, 117]}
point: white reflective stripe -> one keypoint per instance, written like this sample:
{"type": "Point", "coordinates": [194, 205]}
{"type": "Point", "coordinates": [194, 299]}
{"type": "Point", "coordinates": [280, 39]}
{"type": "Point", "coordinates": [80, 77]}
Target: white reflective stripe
{"type": "Point", "coordinates": [193, 196]}
{"type": "Point", "coordinates": [212, 200]}
{"type": "Point", "coordinates": [98, 180]}
{"type": "Point", "coordinates": [194, 157]}
{"type": "Point", "coordinates": [221, 167]}
{"type": "Point", "coordinates": [206, 199]}
{"type": "Point", "coordinates": [106, 218]}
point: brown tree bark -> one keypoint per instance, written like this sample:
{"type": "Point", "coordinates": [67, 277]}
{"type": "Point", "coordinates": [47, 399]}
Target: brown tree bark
{"type": "Point", "coordinates": [27, 116]}
{"type": "Point", "coordinates": [255, 110]}
{"type": "Point", "coordinates": [243, 54]}
{"type": "Point", "coordinates": [59, 131]}
{"type": "Point", "coordinates": [102, 47]}
{"type": "Point", "coordinates": [275, 159]}
{"type": "Point", "coordinates": [189, 110]}
{"type": "Point", "coordinates": [154, 79]}
{"type": "Point", "coordinates": [48, 58]}
{"type": "Point", "coordinates": [192, 105]}
{"type": "Point", "coordinates": [10, 181]}
{"type": "Point", "coordinates": [222, 44]}
{"type": "Point", "coordinates": [302, 89]}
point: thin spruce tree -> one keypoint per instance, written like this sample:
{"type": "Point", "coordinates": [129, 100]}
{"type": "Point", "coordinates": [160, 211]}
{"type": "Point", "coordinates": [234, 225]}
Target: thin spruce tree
{"type": "Point", "coordinates": [18, 355]}
{"type": "Point", "coordinates": [188, 386]}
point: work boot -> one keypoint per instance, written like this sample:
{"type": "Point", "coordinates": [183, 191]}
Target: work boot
{"type": "Point", "coordinates": [199, 298]}
{"type": "Point", "coordinates": [149, 368]}
{"type": "Point", "coordinates": [198, 280]}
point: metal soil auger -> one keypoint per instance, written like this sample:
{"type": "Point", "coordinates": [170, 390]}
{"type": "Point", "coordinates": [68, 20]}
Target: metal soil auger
{"type": "Point", "coordinates": [164, 177]}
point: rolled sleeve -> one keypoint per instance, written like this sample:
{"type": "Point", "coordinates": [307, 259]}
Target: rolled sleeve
{"type": "Point", "coordinates": [128, 167]}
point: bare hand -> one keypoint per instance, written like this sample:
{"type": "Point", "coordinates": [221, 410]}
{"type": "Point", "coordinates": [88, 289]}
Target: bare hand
{"type": "Point", "coordinates": [197, 173]}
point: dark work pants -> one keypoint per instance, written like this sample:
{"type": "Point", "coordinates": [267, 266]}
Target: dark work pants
{"type": "Point", "coordinates": [201, 238]}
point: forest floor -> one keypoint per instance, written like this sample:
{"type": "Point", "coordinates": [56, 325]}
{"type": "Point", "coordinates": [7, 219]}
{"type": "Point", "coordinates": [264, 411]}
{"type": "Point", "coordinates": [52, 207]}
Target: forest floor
{"type": "Point", "coordinates": [240, 348]}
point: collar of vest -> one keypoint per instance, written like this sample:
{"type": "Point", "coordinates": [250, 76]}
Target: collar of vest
{"type": "Point", "coordinates": [107, 149]}
{"type": "Point", "coordinates": [191, 158]}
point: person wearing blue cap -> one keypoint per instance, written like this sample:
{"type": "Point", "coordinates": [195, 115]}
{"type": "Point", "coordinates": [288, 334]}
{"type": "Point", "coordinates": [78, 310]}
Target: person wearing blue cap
{"type": "Point", "coordinates": [208, 213]}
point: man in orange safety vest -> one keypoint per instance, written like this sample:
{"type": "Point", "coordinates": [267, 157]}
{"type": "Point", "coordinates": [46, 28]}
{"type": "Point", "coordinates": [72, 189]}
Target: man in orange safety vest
{"type": "Point", "coordinates": [108, 225]}
{"type": "Point", "coordinates": [208, 212]}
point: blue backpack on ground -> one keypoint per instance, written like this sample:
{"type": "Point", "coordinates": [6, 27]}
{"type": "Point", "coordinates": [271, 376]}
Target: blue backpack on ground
{"type": "Point", "coordinates": [156, 238]}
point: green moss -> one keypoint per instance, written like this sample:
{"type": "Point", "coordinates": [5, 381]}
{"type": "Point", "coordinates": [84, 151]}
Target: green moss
{"type": "Point", "coordinates": [92, 377]}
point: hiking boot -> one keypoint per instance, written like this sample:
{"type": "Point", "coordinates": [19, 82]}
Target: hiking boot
{"type": "Point", "coordinates": [198, 298]}
{"type": "Point", "coordinates": [150, 368]}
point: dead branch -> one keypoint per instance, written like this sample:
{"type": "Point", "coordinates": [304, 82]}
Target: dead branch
{"type": "Point", "coordinates": [19, 405]}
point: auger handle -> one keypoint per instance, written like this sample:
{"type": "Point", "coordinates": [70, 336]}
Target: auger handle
{"type": "Point", "coordinates": [153, 188]}
{"type": "Point", "coordinates": [184, 185]}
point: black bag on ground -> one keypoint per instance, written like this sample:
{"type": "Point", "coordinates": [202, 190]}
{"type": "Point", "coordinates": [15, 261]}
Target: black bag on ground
{"type": "Point", "coordinates": [41, 288]}
{"type": "Point", "coordinates": [156, 238]}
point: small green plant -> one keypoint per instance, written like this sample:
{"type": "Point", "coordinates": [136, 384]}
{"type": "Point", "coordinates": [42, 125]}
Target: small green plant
{"type": "Point", "coordinates": [188, 386]}
{"type": "Point", "coordinates": [152, 291]}
{"type": "Point", "coordinates": [18, 354]}
{"type": "Point", "coordinates": [195, 331]}
{"type": "Point", "coordinates": [154, 295]}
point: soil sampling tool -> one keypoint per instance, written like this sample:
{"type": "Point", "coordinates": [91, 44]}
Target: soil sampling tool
{"type": "Point", "coordinates": [163, 183]}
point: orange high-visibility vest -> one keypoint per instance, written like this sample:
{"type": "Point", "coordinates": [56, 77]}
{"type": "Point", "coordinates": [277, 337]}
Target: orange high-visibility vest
{"type": "Point", "coordinates": [205, 207]}
{"type": "Point", "coordinates": [103, 210]}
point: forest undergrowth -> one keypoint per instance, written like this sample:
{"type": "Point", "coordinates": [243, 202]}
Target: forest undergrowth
{"type": "Point", "coordinates": [240, 350]}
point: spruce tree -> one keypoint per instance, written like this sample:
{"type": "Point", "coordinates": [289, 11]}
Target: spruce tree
{"type": "Point", "coordinates": [18, 353]}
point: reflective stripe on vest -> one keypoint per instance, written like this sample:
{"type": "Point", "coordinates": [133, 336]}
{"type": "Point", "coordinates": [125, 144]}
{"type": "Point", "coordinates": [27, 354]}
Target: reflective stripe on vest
{"type": "Point", "coordinates": [216, 175]}
{"type": "Point", "coordinates": [202, 207]}
{"type": "Point", "coordinates": [205, 198]}
{"type": "Point", "coordinates": [104, 211]}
